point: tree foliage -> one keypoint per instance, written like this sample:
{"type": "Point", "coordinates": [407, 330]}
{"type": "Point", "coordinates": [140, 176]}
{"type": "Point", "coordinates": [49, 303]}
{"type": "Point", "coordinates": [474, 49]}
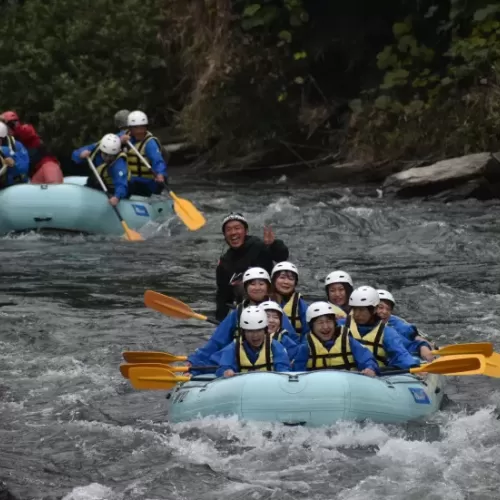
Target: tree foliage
{"type": "Point", "coordinates": [300, 78]}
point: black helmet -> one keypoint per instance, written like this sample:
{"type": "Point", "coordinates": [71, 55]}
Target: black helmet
{"type": "Point", "coordinates": [234, 216]}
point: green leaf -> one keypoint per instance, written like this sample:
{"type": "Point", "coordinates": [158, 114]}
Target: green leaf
{"type": "Point", "coordinates": [485, 12]}
{"type": "Point", "coordinates": [285, 35]}
{"type": "Point", "coordinates": [356, 105]}
{"type": "Point", "coordinates": [382, 102]}
{"type": "Point", "coordinates": [400, 29]}
{"type": "Point", "coordinates": [300, 55]}
{"type": "Point", "coordinates": [251, 10]}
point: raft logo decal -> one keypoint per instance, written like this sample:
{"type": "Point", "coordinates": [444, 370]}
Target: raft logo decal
{"type": "Point", "coordinates": [140, 210]}
{"type": "Point", "coordinates": [420, 396]}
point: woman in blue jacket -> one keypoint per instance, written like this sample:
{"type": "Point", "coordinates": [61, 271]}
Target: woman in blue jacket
{"type": "Point", "coordinates": [254, 350]}
{"type": "Point", "coordinates": [330, 347]}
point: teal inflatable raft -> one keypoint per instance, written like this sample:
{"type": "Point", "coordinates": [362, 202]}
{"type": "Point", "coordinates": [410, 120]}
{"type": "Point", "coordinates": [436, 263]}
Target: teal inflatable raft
{"type": "Point", "coordinates": [311, 399]}
{"type": "Point", "coordinates": [73, 207]}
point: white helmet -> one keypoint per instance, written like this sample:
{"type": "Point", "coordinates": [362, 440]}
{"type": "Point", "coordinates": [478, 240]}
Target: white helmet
{"type": "Point", "coordinates": [4, 131]}
{"type": "Point", "coordinates": [338, 277]}
{"type": "Point", "coordinates": [285, 266]}
{"type": "Point", "coordinates": [253, 318]}
{"type": "Point", "coordinates": [110, 144]}
{"type": "Point", "coordinates": [137, 118]}
{"type": "Point", "coordinates": [385, 295]}
{"type": "Point", "coordinates": [256, 273]}
{"type": "Point", "coordinates": [270, 305]}
{"type": "Point", "coordinates": [317, 309]}
{"type": "Point", "coordinates": [364, 296]}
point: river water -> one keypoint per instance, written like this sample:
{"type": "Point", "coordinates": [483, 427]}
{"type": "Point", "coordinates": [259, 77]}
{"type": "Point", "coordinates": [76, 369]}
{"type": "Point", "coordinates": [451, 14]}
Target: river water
{"type": "Point", "coordinates": [72, 428]}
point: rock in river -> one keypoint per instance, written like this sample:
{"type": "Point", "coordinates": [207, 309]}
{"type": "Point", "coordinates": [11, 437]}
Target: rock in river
{"type": "Point", "coordinates": [471, 176]}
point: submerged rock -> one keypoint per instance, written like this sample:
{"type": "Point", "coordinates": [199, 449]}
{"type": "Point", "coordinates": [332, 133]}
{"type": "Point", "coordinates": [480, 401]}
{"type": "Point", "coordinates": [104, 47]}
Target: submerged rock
{"type": "Point", "coordinates": [5, 494]}
{"type": "Point", "coordinates": [349, 173]}
{"type": "Point", "coordinates": [471, 176]}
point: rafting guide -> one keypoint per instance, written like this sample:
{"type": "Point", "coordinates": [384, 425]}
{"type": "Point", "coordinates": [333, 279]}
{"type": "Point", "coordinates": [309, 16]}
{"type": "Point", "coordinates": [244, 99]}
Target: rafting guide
{"type": "Point", "coordinates": [244, 251]}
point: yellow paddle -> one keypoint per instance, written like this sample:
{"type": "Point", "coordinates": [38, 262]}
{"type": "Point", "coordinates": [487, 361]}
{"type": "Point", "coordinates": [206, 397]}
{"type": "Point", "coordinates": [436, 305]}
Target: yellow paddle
{"type": "Point", "coordinates": [172, 307]}
{"type": "Point", "coordinates": [160, 378]}
{"type": "Point", "coordinates": [186, 211]}
{"type": "Point", "coordinates": [474, 364]}
{"type": "Point", "coordinates": [151, 357]}
{"type": "Point", "coordinates": [151, 378]}
{"type": "Point", "coordinates": [125, 368]}
{"type": "Point", "coordinates": [484, 348]}
{"type": "Point", "coordinates": [129, 233]}
{"type": "Point", "coordinates": [493, 365]}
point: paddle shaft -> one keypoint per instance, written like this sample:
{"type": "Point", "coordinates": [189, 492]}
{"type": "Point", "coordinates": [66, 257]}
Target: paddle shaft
{"type": "Point", "coordinates": [136, 151]}
{"type": "Point", "coordinates": [146, 163]}
{"type": "Point", "coordinates": [103, 186]}
{"type": "Point", "coordinates": [3, 170]}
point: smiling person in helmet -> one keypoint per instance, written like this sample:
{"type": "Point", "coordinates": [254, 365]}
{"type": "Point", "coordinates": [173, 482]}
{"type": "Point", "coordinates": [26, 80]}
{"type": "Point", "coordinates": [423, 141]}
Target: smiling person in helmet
{"type": "Point", "coordinates": [14, 156]}
{"type": "Point", "coordinates": [411, 340]}
{"type": "Point", "coordinates": [284, 278]}
{"type": "Point", "coordinates": [44, 167]}
{"type": "Point", "coordinates": [111, 164]}
{"type": "Point", "coordinates": [275, 328]}
{"type": "Point", "coordinates": [244, 251]}
{"type": "Point", "coordinates": [338, 287]}
{"type": "Point", "coordinates": [254, 350]}
{"type": "Point", "coordinates": [328, 346]}
{"type": "Point", "coordinates": [368, 328]}
{"type": "Point", "coordinates": [257, 284]}
{"type": "Point", "coordinates": [144, 182]}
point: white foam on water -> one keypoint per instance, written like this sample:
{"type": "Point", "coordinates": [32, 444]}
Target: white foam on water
{"type": "Point", "coordinates": [93, 491]}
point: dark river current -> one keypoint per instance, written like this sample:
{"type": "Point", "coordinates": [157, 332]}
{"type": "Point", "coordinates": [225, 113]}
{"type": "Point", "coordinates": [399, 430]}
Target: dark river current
{"type": "Point", "coordinates": [72, 428]}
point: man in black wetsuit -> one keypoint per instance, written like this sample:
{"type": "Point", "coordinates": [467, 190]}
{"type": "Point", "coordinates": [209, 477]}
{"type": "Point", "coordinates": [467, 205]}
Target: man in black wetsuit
{"type": "Point", "coordinates": [244, 251]}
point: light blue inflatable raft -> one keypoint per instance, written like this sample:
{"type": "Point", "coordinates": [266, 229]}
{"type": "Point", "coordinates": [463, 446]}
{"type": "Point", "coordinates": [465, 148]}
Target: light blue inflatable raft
{"type": "Point", "coordinates": [311, 399]}
{"type": "Point", "coordinates": [73, 207]}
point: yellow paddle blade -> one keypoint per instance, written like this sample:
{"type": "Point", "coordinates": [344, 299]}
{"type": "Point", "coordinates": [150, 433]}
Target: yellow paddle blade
{"type": "Point", "coordinates": [130, 234]}
{"type": "Point", "coordinates": [493, 365]}
{"type": "Point", "coordinates": [149, 378]}
{"type": "Point", "coordinates": [484, 348]}
{"type": "Point", "coordinates": [151, 357]}
{"type": "Point", "coordinates": [125, 368]}
{"type": "Point", "coordinates": [455, 365]}
{"type": "Point", "coordinates": [170, 306]}
{"type": "Point", "coordinates": [188, 213]}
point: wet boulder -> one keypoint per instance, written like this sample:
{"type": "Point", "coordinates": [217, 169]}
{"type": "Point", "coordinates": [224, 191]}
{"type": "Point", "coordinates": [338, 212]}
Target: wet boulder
{"type": "Point", "coordinates": [5, 494]}
{"type": "Point", "coordinates": [349, 173]}
{"type": "Point", "coordinates": [470, 176]}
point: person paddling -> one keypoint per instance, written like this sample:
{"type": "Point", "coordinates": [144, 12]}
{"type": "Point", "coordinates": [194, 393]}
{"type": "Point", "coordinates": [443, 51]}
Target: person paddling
{"type": "Point", "coordinates": [338, 288]}
{"type": "Point", "coordinates": [368, 328]}
{"type": "Point", "coordinates": [254, 350]}
{"type": "Point", "coordinates": [121, 123]}
{"type": "Point", "coordinates": [14, 157]}
{"type": "Point", "coordinates": [275, 329]}
{"type": "Point", "coordinates": [245, 251]}
{"type": "Point", "coordinates": [44, 167]}
{"type": "Point", "coordinates": [284, 278]}
{"type": "Point", "coordinates": [257, 285]}
{"type": "Point", "coordinates": [413, 342]}
{"type": "Point", "coordinates": [111, 165]}
{"type": "Point", "coordinates": [330, 347]}
{"type": "Point", "coordinates": [144, 181]}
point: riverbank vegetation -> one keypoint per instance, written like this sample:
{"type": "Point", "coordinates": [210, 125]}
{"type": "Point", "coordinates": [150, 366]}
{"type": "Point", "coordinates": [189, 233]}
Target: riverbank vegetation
{"type": "Point", "coordinates": [262, 81]}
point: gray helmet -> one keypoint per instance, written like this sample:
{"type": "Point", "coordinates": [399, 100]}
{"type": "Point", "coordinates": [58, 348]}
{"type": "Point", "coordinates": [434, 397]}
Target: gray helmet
{"type": "Point", "coordinates": [121, 118]}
